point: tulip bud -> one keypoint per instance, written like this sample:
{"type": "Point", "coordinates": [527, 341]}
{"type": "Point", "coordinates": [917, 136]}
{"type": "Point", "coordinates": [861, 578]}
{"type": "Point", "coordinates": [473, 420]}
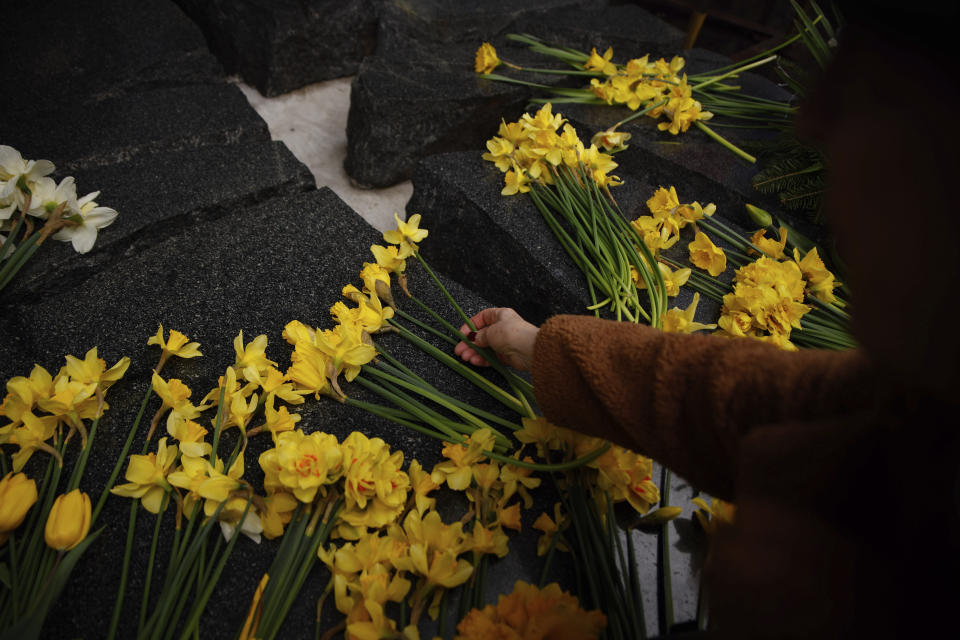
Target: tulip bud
{"type": "Point", "coordinates": [69, 521]}
{"type": "Point", "coordinates": [17, 495]}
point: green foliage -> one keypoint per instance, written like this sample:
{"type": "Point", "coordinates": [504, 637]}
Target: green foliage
{"type": "Point", "coordinates": [795, 173]}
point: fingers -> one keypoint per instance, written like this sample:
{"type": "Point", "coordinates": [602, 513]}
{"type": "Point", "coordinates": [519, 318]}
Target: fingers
{"type": "Point", "coordinates": [482, 321]}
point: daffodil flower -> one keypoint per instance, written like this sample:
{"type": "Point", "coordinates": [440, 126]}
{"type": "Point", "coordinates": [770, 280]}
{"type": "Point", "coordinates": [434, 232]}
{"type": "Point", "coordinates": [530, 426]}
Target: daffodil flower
{"type": "Point", "coordinates": [17, 494]}
{"type": "Point", "coordinates": [147, 476]}
{"type": "Point", "coordinates": [706, 255]}
{"type": "Point", "coordinates": [177, 345]}
{"type": "Point", "coordinates": [599, 63]}
{"type": "Point", "coordinates": [486, 59]}
{"type": "Point", "coordinates": [82, 227]}
{"type": "Point", "coordinates": [681, 320]}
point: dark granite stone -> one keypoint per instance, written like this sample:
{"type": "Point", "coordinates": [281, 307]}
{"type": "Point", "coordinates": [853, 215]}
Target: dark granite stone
{"type": "Point", "coordinates": [125, 127]}
{"type": "Point", "coordinates": [281, 45]}
{"type": "Point", "coordinates": [128, 47]}
{"type": "Point", "coordinates": [160, 196]}
{"type": "Point", "coordinates": [418, 95]}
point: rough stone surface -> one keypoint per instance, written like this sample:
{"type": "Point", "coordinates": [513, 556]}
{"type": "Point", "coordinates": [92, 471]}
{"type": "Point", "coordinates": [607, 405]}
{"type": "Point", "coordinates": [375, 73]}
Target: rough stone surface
{"type": "Point", "coordinates": [279, 46]}
{"type": "Point", "coordinates": [161, 196]}
{"type": "Point", "coordinates": [121, 128]}
{"type": "Point", "coordinates": [419, 95]}
{"type": "Point", "coordinates": [129, 47]}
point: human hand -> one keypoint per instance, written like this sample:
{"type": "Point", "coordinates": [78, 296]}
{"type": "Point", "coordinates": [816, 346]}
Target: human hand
{"type": "Point", "coordinates": [504, 331]}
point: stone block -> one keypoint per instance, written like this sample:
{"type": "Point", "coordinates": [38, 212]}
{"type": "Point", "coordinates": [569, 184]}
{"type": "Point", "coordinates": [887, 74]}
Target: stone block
{"type": "Point", "coordinates": [160, 196]}
{"type": "Point", "coordinates": [279, 46]}
{"type": "Point", "coordinates": [126, 127]}
{"type": "Point", "coordinates": [418, 95]}
{"type": "Point", "coordinates": [128, 47]}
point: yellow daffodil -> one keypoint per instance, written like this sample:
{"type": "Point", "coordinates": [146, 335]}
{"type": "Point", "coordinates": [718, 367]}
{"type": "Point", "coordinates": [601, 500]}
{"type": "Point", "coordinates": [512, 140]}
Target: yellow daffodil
{"type": "Point", "coordinates": [308, 371]}
{"type": "Point", "coordinates": [422, 484]}
{"type": "Point", "coordinates": [772, 248]}
{"type": "Point", "coordinates": [295, 332]}
{"type": "Point", "coordinates": [93, 370]}
{"type": "Point", "coordinates": [408, 232]}
{"type": "Point", "coordinates": [515, 181]}
{"type": "Point", "coordinates": [486, 60]}
{"type": "Point", "coordinates": [371, 274]}
{"type": "Point", "coordinates": [69, 521]}
{"type": "Point", "coordinates": [251, 359]}
{"type": "Point", "coordinates": [820, 281]}
{"type": "Point", "coordinates": [17, 494]}
{"type": "Point", "coordinates": [716, 514]}
{"type": "Point", "coordinates": [706, 255]}
{"type": "Point", "coordinates": [517, 480]}
{"type": "Point", "coordinates": [488, 540]}
{"type": "Point", "coordinates": [30, 436]}
{"type": "Point", "coordinates": [509, 517]}
{"type": "Point", "coordinates": [551, 529]}
{"type": "Point", "coordinates": [190, 436]}
{"type": "Point", "coordinates": [374, 485]}
{"type": "Point", "coordinates": [457, 471]}
{"type": "Point", "coordinates": [177, 345]}
{"type": "Point", "coordinates": [530, 612]}
{"type": "Point", "coordinates": [611, 139]}
{"type": "Point", "coordinates": [681, 320]}
{"type": "Point", "coordinates": [279, 508]}
{"type": "Point", "coordinates": [388, 258]}
{"type": "Point", "coordinates": [599, 63]}
{"type": "Point", "coordinates": [347, 351]}
{"type": "Point", "coordinates": [23, 393]}
{"type": "Point", "coordinates": [147, 476]}
{"type": "Point", "coordinates": [302, 464]}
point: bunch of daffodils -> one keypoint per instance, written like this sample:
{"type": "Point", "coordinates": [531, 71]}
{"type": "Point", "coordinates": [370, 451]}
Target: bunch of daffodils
{"type": "Point", "coordinates": [570, 186]}
{"type": "Point", "coordinates": [45, 412]}
{"type": "Point", "coordinates": [34, 207]}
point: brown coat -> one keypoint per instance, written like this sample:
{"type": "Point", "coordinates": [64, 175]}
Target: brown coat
{"type": "Point", "coordinates": [835, 475]}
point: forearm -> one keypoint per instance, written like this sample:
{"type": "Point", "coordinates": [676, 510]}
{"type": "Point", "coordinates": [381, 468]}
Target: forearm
{"type": "Point", "coordinates": [684, 400]}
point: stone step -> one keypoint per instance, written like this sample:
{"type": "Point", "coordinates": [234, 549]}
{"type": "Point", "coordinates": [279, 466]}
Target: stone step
{"type": "Point", "coordinates": [419, 95]}
{"type": "Point", "coordinates": [126, 127]}
{"type": "Point", "coordinates": [159, 196]}
{"type": "Point", "coordinates": [160, 47]}
{"type": "Point", "coordinates": [283, 45]}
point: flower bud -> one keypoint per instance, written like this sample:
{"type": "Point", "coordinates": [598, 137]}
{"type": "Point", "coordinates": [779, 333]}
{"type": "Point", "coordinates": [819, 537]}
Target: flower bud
{"type": "Point", "coordinates": [69, 521]}
{"type": "Point", "coordinates": [17, 495]}
{"type": "Point", "coordinates": [760, 217]}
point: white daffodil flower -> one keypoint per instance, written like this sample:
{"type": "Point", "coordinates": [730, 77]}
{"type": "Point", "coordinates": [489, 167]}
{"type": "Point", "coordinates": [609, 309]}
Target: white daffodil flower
{"type": "Point", "coordinates": [252, 528]}
{"type": "Point", "coordinates": [92, 217]}
{"type": "Point", "coordinates": [13, 167]}
{"type": "Point", "coordinates": [48, 195]}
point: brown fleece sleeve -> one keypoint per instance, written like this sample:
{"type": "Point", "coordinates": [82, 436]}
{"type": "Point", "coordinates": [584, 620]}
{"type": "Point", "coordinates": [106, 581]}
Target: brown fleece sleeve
{"type": "Point", "coordinates": [685, 400]}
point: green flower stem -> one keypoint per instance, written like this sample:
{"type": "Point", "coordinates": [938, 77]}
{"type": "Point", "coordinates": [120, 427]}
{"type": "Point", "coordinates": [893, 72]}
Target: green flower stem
{"type": "Point", "coordinates": [145, 599]}
{"type": "Point", "coordinates": [629, 595]}
{"type": "Point", "coordinates": [180, 547]}
{"type": "Point", "coordinates": [282, 566]}
{"type": "Point", "coordinates": [490, 388]}
{"type": "Point", "coordinates": [414, 408]}
{"type": "Point", "coordinates": [209, 582]}
{"type": "Point", "coordinates": [124, 571]}
{"type": "Point", "coordinates": [726, 143]}
{"type": "Point", "coordinates": [548, 561]}
{"type": "Point", "coordinates": [485, 415]}
{"type": "Point", "coordinates": [442, 624]}
{"type": "Point", "coordinates": [122, 458]}
{"type": "Point", "coordinates": [319, 537]}
{"type": "Point", "coordinates": [36, 551]}
{"type": "Point", "coordinates": [456, 337]}
{"type": "Point", "coordinates": [18, 258]}
{"type": "Point", "coordinates": [561, 466]}
{"type": "Point", "coordinates": [186, 568]}
{"type": "Point", "coordinates": [439, 398]}
{"type": "Point", "coordinates": [723, 76]}
{"type": "Point", "coordinates": [185, 594]}
{"type": "Point", "coordinates": [666, 612]}
{"type": "Point", "coordinates": [762, 54]}
{"type": "Point", "coordinates": [641, 113]}
{"type": "Point", "coordinates": [389, 414]}
{"type": "Point", "coordinates": [217, 422]}
{"type": "Point", "coordinates": [539, 46]}
{"type": "Point", "coordinates": [426, 327]}
{"type": "Point", "coordinates": [829, 308]}
{"type": "Point", "coordinates": [81, 464]}
{"type": "Point", "coordinates": [10, 238]}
